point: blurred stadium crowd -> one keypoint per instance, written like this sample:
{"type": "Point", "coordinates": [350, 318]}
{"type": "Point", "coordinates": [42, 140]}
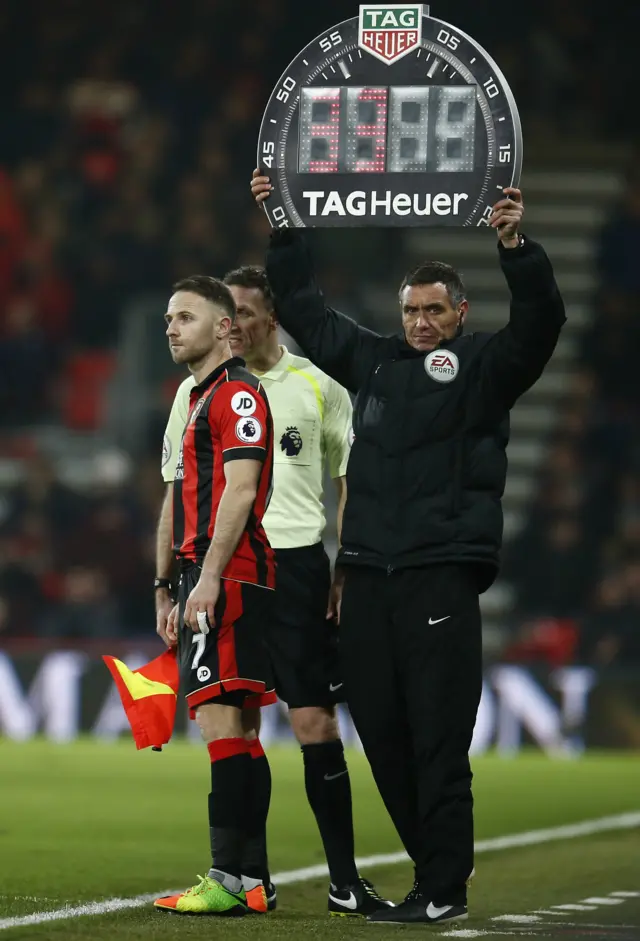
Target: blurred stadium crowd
{"type": "Point", "coordinates": [576, 564]}
{"type": "Point", "coordinates": [127, 136]}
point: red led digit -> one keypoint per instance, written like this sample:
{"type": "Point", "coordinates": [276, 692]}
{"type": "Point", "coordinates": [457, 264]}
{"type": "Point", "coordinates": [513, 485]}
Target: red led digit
{"type": "Point", "coordinates": [366, 142]}
{"type": "Point", "coordinates": [319, 137]}
{"type": "Point", "coordinates": [328, 132]}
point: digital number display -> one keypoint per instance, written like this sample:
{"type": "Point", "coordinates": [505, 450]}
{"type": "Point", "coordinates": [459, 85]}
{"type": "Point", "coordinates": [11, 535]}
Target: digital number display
{"type": "Point", "coordinates": [366, 130]}
{"type": "Point", "coordinates": [320, 112]}
{"type": "Point", "coordinates": [397, 129]}
{"type": "Point", "coordinates": [392, 118]}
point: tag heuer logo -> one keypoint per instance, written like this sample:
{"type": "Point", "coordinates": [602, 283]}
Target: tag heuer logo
{"type": "Point", "coordinates": [389, 31]}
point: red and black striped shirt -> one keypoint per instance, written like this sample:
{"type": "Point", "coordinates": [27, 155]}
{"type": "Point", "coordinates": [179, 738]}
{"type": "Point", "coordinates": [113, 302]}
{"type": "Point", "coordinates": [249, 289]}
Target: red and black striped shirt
{"type": "Point", "coordinates": [229, 419]}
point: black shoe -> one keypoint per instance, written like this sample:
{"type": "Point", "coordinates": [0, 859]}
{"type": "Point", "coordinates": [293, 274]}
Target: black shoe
{"type": "Point", "coordinates": [360, 899]}
{"type": "Point", "coordinates": [272, 898]}
{"type": "Point", "coordinates": [418, 908]}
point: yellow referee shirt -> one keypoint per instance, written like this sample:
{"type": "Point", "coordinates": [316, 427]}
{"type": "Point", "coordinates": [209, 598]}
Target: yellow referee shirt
{"type": "Point", "coordinates": [312, 425]}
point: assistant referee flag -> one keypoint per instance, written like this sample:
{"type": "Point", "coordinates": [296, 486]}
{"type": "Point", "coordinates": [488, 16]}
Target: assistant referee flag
{"type": "Point", "coordinates": [149, 697]}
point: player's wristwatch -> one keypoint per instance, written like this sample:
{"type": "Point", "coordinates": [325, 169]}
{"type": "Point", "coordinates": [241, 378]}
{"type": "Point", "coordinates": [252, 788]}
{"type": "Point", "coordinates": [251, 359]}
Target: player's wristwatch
{"type": "Point", "coordinates": [520, 239]}
{"type": "Point", "coordinates": [162, 583]}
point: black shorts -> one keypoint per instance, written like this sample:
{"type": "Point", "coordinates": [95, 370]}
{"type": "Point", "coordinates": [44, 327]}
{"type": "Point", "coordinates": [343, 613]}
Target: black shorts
{"type": "Point", "coordinates": [233, 655]}
{"type": "Point", "coordinates": [302, 644]}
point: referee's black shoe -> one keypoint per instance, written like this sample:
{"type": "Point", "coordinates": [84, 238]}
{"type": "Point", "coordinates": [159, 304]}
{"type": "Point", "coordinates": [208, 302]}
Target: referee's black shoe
{"type": "Point", "coordinates": [360, 900]}
{"type": "Point", "coordinates": [419, 909]}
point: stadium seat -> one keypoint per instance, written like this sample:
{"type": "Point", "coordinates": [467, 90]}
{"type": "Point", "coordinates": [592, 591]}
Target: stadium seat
{"type": "Point", "coordinates": [85, 380]}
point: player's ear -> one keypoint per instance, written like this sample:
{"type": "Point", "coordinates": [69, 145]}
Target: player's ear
{"type": "Point", "coordinates": [224, 328]}
{"type": "Point", "coordinates": [463, 310]}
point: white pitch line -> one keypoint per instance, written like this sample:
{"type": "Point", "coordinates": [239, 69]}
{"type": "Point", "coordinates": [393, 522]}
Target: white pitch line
{"type": "Point", "coordinates": [570, 831]}
{"type": "Point", "coordinates": [468, 933]}
{"type": "Point", "coordinates": [573, 907]}
{"type": "Point", "coordinates": [534, 917]}
{"type": "Point", "coordinates": [485, 933]}
{"type": "Point", "coordinates": [69, 911]}
{"type": "Point", "coordinates": [30, 898]}
{"type": "Point", "coordinates": [465, 933]}
{"type": "Point", "coordinates": [547, 911]}
{"type": "Point", "coordinates": [596, 900]}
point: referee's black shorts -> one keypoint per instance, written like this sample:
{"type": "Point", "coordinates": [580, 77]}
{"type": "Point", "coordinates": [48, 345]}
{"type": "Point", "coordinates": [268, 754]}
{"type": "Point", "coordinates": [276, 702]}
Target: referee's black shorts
{"type": "Point", "coordinates": [302, 643]}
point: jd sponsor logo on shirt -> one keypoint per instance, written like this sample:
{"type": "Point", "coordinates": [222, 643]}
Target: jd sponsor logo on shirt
{"type": "Point", "coordinates": [204, 673]}
{"type": "Point", "coordinates": [243, 404]}
{"type": "Point", "coordinates": [442, 365]}
{"type": "Point", "coordinates": [291, 442]}
{"type": "Point", "coordinates": [248, 430]}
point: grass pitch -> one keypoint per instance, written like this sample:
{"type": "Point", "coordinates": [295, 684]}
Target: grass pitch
{"type": "Point", "coordinates": [91, 821]}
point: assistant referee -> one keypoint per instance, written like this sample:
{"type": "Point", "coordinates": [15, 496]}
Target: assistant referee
{"type": "Point", "coordinates": [422, 528]}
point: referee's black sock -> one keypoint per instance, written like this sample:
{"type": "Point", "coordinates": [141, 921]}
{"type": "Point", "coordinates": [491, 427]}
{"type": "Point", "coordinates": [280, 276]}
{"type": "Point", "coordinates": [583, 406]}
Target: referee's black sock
{"type": "Point", "coordinates": [255, 863]}
{"type": "Point", "coordinates": [326, 779]}
{"type": "Point", "coordinates": [228, 801]}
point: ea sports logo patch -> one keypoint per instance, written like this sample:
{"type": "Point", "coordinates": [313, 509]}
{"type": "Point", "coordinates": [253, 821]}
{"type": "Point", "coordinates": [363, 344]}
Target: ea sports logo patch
{"type": "Point", "coordinates": [243, 403]}
{"type": "Point", "coordinates": [442, 365]}
{"type": "Point", "coordinates": [248, 430]}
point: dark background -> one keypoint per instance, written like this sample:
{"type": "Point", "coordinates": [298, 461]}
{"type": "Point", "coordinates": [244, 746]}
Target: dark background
{"type": "Point", "coordinates": [127, 140]}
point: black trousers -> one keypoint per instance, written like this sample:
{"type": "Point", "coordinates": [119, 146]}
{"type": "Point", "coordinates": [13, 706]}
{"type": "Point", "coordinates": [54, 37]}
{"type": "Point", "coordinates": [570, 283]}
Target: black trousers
{"type": "Point", "coordinates": [411, 652]}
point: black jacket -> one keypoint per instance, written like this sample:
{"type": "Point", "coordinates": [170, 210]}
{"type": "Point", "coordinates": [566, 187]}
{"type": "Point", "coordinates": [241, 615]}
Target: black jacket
{"type": "Point", "coordinates": [428, 464]}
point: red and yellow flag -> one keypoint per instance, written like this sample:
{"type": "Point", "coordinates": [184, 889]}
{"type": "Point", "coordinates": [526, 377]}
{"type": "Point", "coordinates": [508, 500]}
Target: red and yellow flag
{"type": "Point", "coordinates": [149, 697]}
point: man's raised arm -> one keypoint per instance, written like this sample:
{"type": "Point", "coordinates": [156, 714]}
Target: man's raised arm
{"type": "Point", "coordinates": [335, 343]}
{"type": "Point", "coordinates": [517, 355]}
